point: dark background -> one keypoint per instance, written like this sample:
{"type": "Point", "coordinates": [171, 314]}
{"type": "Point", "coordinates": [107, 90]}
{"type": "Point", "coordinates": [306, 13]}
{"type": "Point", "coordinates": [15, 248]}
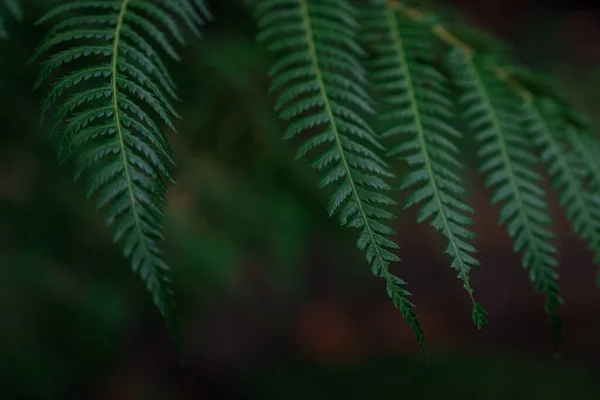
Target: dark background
{"type": "Point", "coordinates": [275, 300]}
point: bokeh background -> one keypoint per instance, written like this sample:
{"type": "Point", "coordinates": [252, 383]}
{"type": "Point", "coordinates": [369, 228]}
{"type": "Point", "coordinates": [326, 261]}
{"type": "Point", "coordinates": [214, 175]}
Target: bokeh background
{"type": "Point", "coordinates": [275, 300]}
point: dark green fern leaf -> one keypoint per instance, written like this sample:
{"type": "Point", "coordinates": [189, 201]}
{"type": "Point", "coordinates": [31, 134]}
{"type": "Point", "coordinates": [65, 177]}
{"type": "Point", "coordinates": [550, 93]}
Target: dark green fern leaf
{"type": "Point", "coordinates": [494, 111]}
{"type": "Point", "coordinates": [588, 148]}
{"type": "Point", "coordinates": [572, 151]}
{"type": "Point", "coordinates": [320, 85]}
{"type": "Point", "coordinates": [106, 116]}
{"type": "Point", "coordinates": [568, 173]}
{"type": "Point", "coordinates": [422, 112]}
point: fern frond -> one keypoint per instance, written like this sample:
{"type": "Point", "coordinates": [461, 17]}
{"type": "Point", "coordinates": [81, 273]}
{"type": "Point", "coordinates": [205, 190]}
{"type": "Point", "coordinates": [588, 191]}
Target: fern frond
{"type": "Point", "coordinates": [495, 113]}
{"type": "Point", "coordinates": [422, 113]}
{"type": "Point", "coordinates": [566, 169]}
{"type": "Point", "coordinates": [320, 85]}
{"type": "Point", "coordinates": [105, 116]}
{"type": "Point", "coordinates": [14, 10]}
{"type": "Point", "coordinates": [588, 148]}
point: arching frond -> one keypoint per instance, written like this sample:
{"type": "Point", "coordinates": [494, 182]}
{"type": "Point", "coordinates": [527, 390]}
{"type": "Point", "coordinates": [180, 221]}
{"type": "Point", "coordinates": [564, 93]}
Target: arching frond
{"type": "Point", "coordinates": [566, 168]}
{"type": "Point", "coordinates": [107, 115]}
{"type": "Point", "coordinates": [495, 113]}
{"type": "Point", "coordinates": [13, 9]}
{"type": "Point", "coordinates": [422, 112]}
{"type": "Point", "coordinates": [320, 86]}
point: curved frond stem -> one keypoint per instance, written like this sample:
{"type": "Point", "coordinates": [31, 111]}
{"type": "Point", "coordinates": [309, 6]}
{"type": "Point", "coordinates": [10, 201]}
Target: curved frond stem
{"type": "Point", "coordinates": [119, 128]}
{"type": "Point", "coordinates": [447, 37]}
{"type": "Point", "coordinates": [162, 300]}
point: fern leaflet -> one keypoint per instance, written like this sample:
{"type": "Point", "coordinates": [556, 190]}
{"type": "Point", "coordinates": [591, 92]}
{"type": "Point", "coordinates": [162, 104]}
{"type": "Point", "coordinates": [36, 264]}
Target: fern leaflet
{"type": "Point", "coordinates": [320, 83]}
{"type": "Point", "coordinates": [102, 123]}
{"type": "Point", "coordinates": [422, 113]}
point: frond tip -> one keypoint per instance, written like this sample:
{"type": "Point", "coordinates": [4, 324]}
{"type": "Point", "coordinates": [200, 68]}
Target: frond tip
{"type": "Point", "coordinates": [105, 117]}
{"type": "Point", "coordinates": [320, 87]}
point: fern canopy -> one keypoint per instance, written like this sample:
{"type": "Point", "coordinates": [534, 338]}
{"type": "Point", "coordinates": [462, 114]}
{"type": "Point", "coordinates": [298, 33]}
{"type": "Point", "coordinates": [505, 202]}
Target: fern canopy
{"type": "Point", "coordinates": [107, 115]}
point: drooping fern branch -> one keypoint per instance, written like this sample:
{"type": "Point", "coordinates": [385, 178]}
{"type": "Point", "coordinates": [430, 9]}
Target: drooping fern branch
{"type": "Point", "coordinates": [320, 84]}
{"type": "Point", "coordinates": [566, 169]}
{"type": "Point", "coordinates": [586, 148]}
{"type": "Point", "coordinates": [422, 110]}
{"type": "Point", "coordinates": [13, 8]}
{"type": "Point", "coordinates": [106, 115]}
{"type": "Point", "coordinates": [494, 113]}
